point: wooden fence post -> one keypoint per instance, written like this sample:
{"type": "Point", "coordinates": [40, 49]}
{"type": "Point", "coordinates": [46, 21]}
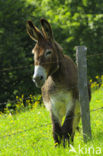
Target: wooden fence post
{"type": "Point", "coordinates": [83, 91]}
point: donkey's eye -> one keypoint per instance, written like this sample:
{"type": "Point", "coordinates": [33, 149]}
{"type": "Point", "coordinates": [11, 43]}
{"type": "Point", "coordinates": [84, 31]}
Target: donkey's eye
{"type": "Point", "coordinates": [48, 52]}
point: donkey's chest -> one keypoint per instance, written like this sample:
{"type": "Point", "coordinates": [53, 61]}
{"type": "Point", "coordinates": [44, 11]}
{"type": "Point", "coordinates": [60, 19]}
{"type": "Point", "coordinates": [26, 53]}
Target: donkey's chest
{"type": "Point", "coordinates": [61, 103]}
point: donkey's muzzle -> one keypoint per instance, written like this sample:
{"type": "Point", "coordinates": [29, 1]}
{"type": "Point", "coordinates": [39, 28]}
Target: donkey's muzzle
{"type": "Point", "coordinates": [38, 80]}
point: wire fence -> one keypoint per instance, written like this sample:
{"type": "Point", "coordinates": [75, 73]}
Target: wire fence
{"type": "Point", "coordinates": [43, 125]}
{"type": "Point", "coordinates": [15, 101]}
{"type": "Point", "coordinates": [27, 66]}
{"type": "Point", "coordinates": [23, 67]}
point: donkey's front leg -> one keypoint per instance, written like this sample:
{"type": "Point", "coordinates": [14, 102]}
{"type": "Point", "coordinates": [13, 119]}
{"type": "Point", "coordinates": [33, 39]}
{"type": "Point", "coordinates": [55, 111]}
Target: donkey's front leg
{"type": "Point", "coordinates": [67, 128]}
{"type": "Point", "coordinates": [57, 131]}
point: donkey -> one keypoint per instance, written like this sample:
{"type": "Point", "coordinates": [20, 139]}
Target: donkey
{"type": "Point", "coordinates": [56, 75]}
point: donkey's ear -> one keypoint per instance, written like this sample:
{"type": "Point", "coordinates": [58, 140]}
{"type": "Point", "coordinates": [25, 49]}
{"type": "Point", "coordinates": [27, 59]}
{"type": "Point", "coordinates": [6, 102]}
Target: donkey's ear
{"type": "Point", "coordinates": [33, 31]}
{"type": "Point", "coordinates": [46, 29]}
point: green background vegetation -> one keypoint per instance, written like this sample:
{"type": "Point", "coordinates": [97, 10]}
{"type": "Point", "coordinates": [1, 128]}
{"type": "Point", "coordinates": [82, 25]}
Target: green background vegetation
{"type": "Point", "coordinates": [73, 23]}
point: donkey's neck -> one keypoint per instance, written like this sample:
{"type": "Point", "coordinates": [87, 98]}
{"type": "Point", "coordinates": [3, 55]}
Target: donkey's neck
{"type": "Point", "coordinates": [66, 75]}
{"type": "Point", "coordinates": [59, 75]}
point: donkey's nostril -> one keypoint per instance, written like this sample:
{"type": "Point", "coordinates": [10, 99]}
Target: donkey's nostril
{"type": "Point", "coordinates": [41, 77]}
{"type": "Point", "coordinates": [38, 78]}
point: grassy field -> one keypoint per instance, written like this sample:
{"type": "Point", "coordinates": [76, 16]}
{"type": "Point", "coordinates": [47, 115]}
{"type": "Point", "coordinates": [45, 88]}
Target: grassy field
{"type": "Point", "coordinates": [29, 133]}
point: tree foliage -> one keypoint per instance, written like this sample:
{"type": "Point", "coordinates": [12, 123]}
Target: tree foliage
{"type": "Point", "coordinates": [16, 62]}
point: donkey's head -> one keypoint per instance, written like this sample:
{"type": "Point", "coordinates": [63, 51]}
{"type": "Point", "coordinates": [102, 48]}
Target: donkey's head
{"type": "Point", "coordinates": [45, 53]}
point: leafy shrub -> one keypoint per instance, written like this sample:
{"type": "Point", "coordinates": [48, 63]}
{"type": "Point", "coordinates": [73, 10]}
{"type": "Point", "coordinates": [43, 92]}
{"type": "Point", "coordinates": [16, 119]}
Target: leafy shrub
{"type": "Point", "coordinates": [23, 104]}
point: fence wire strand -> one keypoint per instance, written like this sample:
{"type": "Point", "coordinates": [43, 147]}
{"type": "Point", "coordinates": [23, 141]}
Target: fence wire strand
{"type": "Point", "coordinates": [44, 125]}
{"type": "Point", "coordinates": [27, 66]}
{"type": "Point", "coordinates": [22, 131]}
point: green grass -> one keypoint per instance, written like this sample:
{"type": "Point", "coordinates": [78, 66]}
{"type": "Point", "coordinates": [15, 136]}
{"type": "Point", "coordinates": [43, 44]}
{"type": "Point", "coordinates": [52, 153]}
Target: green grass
{"type": "Point", "coordinates": [29, 133]}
